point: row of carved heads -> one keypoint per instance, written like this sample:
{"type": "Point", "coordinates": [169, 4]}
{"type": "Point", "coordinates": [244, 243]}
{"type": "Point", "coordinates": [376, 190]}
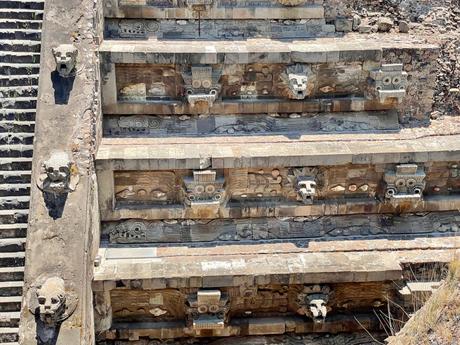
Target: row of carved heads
{"type": "Point", "coordinates": [389, 82]}
{"type": "Point", "coordinates": [404, 182]}
{"type": "Point", "coordinates": [209, 309]}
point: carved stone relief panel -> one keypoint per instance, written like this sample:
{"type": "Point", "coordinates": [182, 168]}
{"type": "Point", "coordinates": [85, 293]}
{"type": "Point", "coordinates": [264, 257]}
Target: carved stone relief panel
{"type": "Point", "coordinates": [261, 184]}
{"type": "Point", "coordinates": [237, 125]}
{"type": "Point", "coordinates": [208, 4]}
{"type": "Point", "coordinates": [143, 82]}
{"type": "Point", "coordinates": [214, 29]}
{"type": "Point", "coordinates": [200, 86]}
{"type": "Point", "coordinates": [389, 82]}
{"type": "Point", "coordinates": [147, 305]}
{"type": "Point", "coordinates": [405, 183]}
{"type": "Point", "coordinates": [205, 310]}
{"type": "Point", "coordinates": [293, 229]}
{"type": "Point", "coordinates": [157, 187]}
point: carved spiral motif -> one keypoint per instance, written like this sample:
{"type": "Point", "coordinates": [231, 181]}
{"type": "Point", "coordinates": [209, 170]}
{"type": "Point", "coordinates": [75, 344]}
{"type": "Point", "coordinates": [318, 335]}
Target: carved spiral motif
{"type": "Point", "coordinates": [291, 2]}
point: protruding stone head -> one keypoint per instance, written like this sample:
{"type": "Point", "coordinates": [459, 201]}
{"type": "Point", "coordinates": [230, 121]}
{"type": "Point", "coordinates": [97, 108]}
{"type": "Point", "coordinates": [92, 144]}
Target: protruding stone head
{"type": "Point", "coordinates": [51, 298]}
{"type": "Point", "coordinates": [66, 59]}
{"type": "Point", "coordinates": [318, 307]}
{"type": "Point", "coordinates": [296, 81]}
{"type": "Point", "coordinates": [313, 302]}
{"type": "Point", "coordinates": [306, 188]}
{"type": "Point", "coordinates": [59, 174]}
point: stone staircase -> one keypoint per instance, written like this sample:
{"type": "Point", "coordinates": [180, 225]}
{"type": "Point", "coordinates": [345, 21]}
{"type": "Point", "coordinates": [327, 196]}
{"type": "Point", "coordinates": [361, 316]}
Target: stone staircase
{"type": "Point", "coordinates": [20, 26]}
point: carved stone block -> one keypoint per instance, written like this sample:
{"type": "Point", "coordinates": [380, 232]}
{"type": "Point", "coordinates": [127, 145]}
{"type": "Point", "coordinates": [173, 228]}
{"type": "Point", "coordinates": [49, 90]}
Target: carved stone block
{"type": "Point", "coordinates": [389, 82]}
{"type": "Point", "coordinates": [201, 85]}
{"type": "Point", "coordinates": [66, 59]}
{"type": "Point", "coordinates": [205, 188]}
{"type": "Point", "coordinates": [405, 183]}
{"type": "Point", "coordinates": [207, 310]}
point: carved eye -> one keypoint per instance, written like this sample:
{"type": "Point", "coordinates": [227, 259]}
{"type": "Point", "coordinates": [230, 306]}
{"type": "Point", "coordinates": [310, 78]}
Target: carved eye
{"type": "Point", "coordinates": [217, 197]}
{"type": "Point", "coordinates": [400, 183]}
{"type": "Point", "coordinates": [54, 300]}
{"type": "Point", "coordinates": [196, 84]}
{"type": "Point", "coordinates": [68, 54]}
{"type": "Point", "coordinates": [396, 81]}
{"type": "Point", "coordinates": [210, 189]}
{"type": "Point", "coordinates": [213, 308]}
{"type": "Point", "coordinates": [41, 300]}
{"type": "Point", "coordinates": [206, 84]}
{"type": "Point", "coordinates": [203, 309]}
{"type": "Point", "coordinates": [386, 81]}
{"type": "Point", "coordinates": [411, 182]}
{"type": "Point", "coordinates": [199, 189]}
{"type": "Point", "coordinates": [58, 54]}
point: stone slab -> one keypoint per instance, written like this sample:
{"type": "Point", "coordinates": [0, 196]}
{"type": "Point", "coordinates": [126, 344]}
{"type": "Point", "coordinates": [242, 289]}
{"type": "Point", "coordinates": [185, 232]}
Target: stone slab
{"type": "Point", "coordinates": [361, 261]}
{"type": "Point", "coordinates": [123, 154]}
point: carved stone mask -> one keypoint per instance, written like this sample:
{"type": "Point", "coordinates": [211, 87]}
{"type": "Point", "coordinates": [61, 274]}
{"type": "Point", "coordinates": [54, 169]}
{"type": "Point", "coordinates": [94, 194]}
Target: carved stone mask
{"type": "Point", "coordinates": [51, 300]}
{"type": "Point", "coordinates": [298, 85]}
{"type": "Point", "coordinates": [57, 170]}
{"type": "Point", "coordinates": [66, 59]}
{"type": "Point", "coordinates": [296, 81]}
{"type": "Point", "coordinates": [318, 308]}
{"type": "Point", "coordinates": [306, 187]}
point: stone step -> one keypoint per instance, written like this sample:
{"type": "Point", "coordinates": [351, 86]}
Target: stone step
{"type": "Point", "coordinates": [19, 57]}
{"type": "Point", "coordinates": [16, 150]}
{"type": "Point", "coordinates": [19, 103]}
{"type": "Point", "coordinates": [14, 202]}
{"type": "Point", "coordinates": [9, 319]}
{"type": "Point", "coordinates": [19, 69]}
{"type": "Point", "coordinates": [16, 138]}
{"type": "Point", "coordinates": [20, 34]}
{"type": "Point", "coordinates": [9, 334]}
{"type": "Point", "coordinates": [20, 24]}
{"type": "Point", "coordinates": [13, 216]}
{"type": "Point", "coordinates": [24, 4]}
{"type": "Point", "coordinates": [16, 163]}
{"type": "Point", "coordinates": [13, 230]}
{"type": "Point", "coordinates": [12, 273]}
{"type": "Point", "coordinates": [19, 80]}
{"type": "Point", "coordinates": [13, 288]}
{"type": "Point", "coordinates": [10, 245]}
{"type": "Point", "coordinates": [20, 13]}
{"type": "Point", "coordinates": [16, 189]}
{"type": "Point", "coordinates": [14, 259]}
{"type": "Point", "coordinates": [19, 91]}
{"type": "Point", "coordinates": [17, 115]}
{"type": "Point", "coordinates": [20, 46]}
{"type": "Point", "coordinates": [17, 126]}
{"type": "Point", "coordinates": [16, 176]}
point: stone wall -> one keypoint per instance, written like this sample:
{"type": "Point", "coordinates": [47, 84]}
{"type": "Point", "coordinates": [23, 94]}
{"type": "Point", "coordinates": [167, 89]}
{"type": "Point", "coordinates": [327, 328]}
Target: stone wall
{"type": "Point", "coordinates": [63, 231]}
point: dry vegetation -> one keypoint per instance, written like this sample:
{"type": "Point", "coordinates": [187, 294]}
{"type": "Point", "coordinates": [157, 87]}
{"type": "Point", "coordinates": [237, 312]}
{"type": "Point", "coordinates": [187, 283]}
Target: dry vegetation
{"type": "Point", "coordinates": [438, 322]}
